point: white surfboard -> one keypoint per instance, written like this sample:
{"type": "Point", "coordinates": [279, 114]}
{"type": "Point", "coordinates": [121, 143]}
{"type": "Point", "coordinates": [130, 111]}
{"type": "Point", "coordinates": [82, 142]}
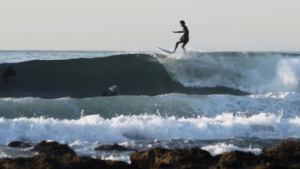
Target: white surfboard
{"type": "Point", "coordinates": [166, 51]}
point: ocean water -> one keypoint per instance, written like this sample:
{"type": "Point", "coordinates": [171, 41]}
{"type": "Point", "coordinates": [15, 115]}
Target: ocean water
{"type": "Point", "coordinates": [219, 101]}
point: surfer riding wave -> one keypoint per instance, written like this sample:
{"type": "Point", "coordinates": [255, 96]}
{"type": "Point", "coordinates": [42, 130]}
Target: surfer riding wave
{"type": "Point", "coordinates": [184, 38]}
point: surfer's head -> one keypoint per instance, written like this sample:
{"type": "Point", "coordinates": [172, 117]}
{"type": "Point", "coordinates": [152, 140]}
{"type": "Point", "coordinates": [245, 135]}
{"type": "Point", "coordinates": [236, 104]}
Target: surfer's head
{"type": "Point", "coordinates": [182, 23]}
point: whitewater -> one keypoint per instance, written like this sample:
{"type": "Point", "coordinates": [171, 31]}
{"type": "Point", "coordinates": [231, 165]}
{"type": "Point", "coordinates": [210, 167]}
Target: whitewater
{"type": "Point", "coordinates": [219, 101]}
{"type": "Point", "coordinates": [254, 72]}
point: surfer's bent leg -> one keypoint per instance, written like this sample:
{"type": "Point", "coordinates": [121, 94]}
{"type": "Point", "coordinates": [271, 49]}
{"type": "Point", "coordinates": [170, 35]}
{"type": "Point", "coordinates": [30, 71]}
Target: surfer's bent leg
{"type": "Point", "coordinates": [177, 43]}
{"type": "Point", "coordinates": [183, 45]}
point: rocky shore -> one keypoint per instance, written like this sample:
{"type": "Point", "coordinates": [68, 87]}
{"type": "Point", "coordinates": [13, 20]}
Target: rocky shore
{"type": "Point", "coordinates": [52, 155]}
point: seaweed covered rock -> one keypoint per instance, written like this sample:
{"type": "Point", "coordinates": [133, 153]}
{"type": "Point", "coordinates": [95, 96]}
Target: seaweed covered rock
{"type": "Point", "coordinates": [114, 147]}
{"type": "Point", "coordinates": [285, 155]}
{"type": "Point", "coordinates": [18, 144]}
{"type": "Point", "coordinates": [53, 148]}
{"type": "Point", "coordinates": [61, 162]}
{"type": "Point", "coordinates": [287, 151]}
{"type": "Point", "coordinates": [178, 158]}
{"type": "Point", "coordinates": [237, 159]}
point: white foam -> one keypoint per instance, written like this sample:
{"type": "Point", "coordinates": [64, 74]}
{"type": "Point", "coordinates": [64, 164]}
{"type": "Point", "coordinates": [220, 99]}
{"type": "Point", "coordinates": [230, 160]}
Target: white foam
{"type": "Point", "coordinates": [262, 73]}
{"type": "Point", "coordinates": [117, 158]}
{"type": "Point", "coordinates": [179, 105]}
{"type": "Point", "coordinates": [4, 155]}
{"type": "Point", "coordinates": [222, 148]}
{"type": "Point", "coordinates": [149, 127]}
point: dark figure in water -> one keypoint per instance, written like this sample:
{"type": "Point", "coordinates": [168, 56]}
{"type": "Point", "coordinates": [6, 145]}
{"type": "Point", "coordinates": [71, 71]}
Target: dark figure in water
{"type": "Point", "coordinates": [111, 91]}
{"type": "Point", "coordinates": [10, 71]}
{"type": "Point", "coordinates": [185, 38]}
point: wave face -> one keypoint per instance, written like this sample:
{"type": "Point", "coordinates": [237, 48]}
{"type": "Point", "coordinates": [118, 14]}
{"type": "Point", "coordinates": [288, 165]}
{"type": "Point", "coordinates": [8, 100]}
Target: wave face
{"type": "Point", "coordinates": [136, 74]}
{"type": "Point", "coordinates": [143, 74]}
{"type": "Point", "coordinates": [154, 74]}
{"type": "Point", "coordinates": [254, 72]}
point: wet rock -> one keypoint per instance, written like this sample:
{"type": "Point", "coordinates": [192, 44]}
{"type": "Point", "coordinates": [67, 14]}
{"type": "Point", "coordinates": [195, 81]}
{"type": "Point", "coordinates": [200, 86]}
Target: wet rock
{"type": "Point", "coordinates": [120, 165]}
{"type": "Point", "coordinates": [164, 158]}
{"type": "Point", "coordinates": [285, 155]}
{"type": "Point", "coordinates": [286, 151]}
{"type": "Point", "coordinates": [53, 148]}
{"type": "Point", "coordinates": [236, 159]}
{"type": "Point", "coordinates": [114, 147]}
{"type": "Point", "coordinates": [60, 162]}
{"type": "Point", "coordinates": [18, 144]}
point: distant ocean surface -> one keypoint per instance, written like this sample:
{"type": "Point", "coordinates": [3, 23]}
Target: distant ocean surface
{"type": "Point", "coordinates": [220, 101]}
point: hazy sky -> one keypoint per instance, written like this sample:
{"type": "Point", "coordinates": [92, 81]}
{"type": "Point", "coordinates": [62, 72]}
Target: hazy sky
{"type": "Point", "coordinates": [141, 25]}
